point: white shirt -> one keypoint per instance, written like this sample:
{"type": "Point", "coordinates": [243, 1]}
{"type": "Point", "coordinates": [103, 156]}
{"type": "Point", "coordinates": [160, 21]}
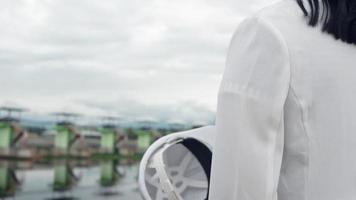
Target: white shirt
{"type": "Point", "coordinates": [286, 117]}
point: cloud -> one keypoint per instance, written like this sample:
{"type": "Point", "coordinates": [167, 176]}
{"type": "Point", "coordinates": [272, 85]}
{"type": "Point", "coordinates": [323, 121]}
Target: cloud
{"type": "Point", "coordinates": [157, 53]}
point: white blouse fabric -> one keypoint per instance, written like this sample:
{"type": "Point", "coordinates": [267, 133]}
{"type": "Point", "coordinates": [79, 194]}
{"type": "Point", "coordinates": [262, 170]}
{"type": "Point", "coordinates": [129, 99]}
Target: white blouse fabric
{"type": "Point", "coordinates": [286, 117]}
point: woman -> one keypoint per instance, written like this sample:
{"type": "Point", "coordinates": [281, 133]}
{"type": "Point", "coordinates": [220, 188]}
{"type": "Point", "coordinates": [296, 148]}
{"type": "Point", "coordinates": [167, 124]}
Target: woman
{"type": "Point", "coordinates": [286, 118]}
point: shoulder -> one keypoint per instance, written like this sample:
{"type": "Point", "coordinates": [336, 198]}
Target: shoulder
{"type": "Point", "coordinates": [271, 25]}
{"type": "Point", "coordinates": [282, 9]}
{"type": "Point", "coordinates": [275, 17]}
{"type": "Point", "coordinates": [258, 32]}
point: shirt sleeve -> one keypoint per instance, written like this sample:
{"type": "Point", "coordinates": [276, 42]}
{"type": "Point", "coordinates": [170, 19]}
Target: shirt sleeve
{"type": "Point", "coordinates": [250, 128]}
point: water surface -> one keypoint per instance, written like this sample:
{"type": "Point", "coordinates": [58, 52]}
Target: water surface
{"type": "Point", "coordinates": [67, 180]}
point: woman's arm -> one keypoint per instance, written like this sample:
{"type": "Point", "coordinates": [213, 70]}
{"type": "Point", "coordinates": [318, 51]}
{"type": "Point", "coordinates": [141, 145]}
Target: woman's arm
{"type": "Point", "coordinates": [249, 142]}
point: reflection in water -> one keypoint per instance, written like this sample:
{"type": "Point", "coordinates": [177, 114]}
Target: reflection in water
{"type": "Point", "coordinates": [66, 179]}
{"type": "Point", "coordinates": [9, 181]}
{"type": "Point", "coordinates": [109, 177]}
{"type": "Point", "coordinates": [109, 173]}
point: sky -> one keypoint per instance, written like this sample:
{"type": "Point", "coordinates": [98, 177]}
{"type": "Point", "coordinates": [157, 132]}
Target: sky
{"type": "Point", "coordinates": [137, 59]}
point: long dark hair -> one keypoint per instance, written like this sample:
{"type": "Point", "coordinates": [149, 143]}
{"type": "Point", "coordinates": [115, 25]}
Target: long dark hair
{"type": "Point", "coordinates": [338, 17]}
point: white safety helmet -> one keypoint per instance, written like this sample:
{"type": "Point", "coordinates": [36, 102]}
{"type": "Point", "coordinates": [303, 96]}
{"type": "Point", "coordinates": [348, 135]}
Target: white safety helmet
{"type": "Point", "coordinates": [177, 166]}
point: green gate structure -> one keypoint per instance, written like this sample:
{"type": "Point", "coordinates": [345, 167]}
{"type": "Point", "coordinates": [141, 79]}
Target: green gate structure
{"type": "Point", "coordinates": [7, 135]}
{"type": "Point", "coordinates": [109, 135]}
{"type": "Point", "coordinates": [66, 133]}
{"type": "Point", "coordinates": [10, 131]}
{"type": "Point", "coordinates": [9, 182]}
{"type": "Point", "coordinates": [65, 137]}
{"type": "Point", "coordinates": [144, 139]}
{"type": "Point", "coordinates": [145, 133]}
